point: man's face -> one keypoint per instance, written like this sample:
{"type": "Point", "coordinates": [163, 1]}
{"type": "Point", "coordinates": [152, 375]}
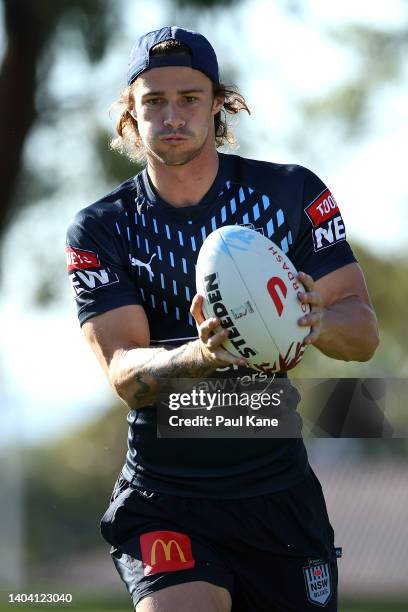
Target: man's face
{"type": "Point", "coordinates": [174, 109]}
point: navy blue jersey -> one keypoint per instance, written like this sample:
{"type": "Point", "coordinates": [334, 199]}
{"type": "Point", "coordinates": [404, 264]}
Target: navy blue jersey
{"type": "Point", "coordinates": [131, 247]}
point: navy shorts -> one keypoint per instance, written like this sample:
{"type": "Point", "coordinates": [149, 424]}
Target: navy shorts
{"type": "Point", "coordinates": [274, 553]}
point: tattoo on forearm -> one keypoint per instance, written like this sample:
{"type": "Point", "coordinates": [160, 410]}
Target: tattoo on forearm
{"type": "Point", "coordinates": [142, 391]}
{"type": "Point", "coordinates": [183, 362]}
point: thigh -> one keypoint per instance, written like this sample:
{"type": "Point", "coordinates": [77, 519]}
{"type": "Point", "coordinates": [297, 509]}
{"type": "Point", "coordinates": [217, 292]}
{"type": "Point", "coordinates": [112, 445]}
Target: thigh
{"type": "Point", "coordinates": [196, 596]}
{"type": "Point", "coordinates": [287, 561]}
{"type": "Point", "coordinates": [157, 546]}
{"type": "Point", "coordinates": [153, 563]}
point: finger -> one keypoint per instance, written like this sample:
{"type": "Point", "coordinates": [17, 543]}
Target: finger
{"type": "Point", "coordinates": [231, 359]}
{"type": "Point", "coordinates": [228, 358]}
{"type": "Point", "coordinates": [313, 336]}
{"type": "Point", "coordinates": [310, 297]}
{"type": "Point", "coordinates": [214, 344]}
{"type": "Point", "coordinates": [311, 319]}
{"type": "Point", "coordinates": [215, 341]}
{"type": "Point", "coordinates": [306, 280]}
{"type": "Point", "coordinates": [207, 328]}
{"type": "Point", "coordinates": [196, 309]}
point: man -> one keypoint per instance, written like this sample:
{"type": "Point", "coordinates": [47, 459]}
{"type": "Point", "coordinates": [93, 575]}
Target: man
{"type": "Point", "coordinates": [207, 525]}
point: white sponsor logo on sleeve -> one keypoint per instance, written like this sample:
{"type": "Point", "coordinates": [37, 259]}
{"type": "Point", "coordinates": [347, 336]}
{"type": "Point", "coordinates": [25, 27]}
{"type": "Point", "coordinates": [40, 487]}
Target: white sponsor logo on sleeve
{"type": "Point", "coordinates": [328, 233]}
{"type": "Point", "coordinates": [91, 280]}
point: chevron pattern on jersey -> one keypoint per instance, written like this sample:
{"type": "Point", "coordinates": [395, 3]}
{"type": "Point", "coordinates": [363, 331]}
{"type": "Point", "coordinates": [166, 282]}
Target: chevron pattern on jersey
{"type": "Point", "coordinates": [166, 251]}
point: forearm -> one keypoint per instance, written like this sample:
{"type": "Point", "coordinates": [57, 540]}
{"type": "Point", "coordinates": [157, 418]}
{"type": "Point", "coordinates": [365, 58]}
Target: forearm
{"type": "Point", "coordinates": [138, 374]}
{"type": "Point", "coordinates": [349, 331]}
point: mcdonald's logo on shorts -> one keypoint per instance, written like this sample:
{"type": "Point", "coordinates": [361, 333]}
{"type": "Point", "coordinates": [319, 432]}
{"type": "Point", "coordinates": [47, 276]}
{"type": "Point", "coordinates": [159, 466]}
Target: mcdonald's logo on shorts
{"type": "Point", "coordinates": [165, 551]}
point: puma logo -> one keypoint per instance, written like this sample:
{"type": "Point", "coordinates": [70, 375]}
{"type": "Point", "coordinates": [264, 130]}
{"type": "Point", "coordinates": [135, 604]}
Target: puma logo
{"type": "Point", "coordinates": [142, 264]}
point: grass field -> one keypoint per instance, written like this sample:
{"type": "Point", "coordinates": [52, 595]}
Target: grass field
{"type": "Point", "coordinates": [123, 605]}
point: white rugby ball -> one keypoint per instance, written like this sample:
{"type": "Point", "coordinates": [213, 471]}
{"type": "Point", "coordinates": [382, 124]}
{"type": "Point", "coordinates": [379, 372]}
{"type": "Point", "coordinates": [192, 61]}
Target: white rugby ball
{"type": "Point", "coordinates": [251, 286]}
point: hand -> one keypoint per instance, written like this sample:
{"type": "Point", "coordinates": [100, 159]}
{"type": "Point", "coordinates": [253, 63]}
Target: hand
{"type": "Point", "coordinates": [211, 340]}
{"type": "Point", "coordinates": [314, 318]}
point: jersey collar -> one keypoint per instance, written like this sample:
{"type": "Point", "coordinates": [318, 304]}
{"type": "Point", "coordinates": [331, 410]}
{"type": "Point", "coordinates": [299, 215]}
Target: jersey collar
{"type": "Point", "coordinates": [153, 199]}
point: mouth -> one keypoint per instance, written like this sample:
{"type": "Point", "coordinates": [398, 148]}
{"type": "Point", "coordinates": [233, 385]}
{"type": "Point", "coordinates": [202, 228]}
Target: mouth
{"type": "Point", "coordinates": [173, 139]}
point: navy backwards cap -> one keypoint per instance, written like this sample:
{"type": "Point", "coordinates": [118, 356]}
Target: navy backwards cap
{"type": "Point", "coordinates": [202, 56]}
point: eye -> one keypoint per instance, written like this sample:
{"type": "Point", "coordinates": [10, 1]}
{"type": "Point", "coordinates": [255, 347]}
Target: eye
{"type": "Point", "coordinates": [153, 101]}
{"type": "Point", "coordinates": [191, 99]}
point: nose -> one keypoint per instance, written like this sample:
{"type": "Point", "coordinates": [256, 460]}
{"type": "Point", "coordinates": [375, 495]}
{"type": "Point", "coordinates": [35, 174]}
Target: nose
{"type": "Point", "coordinates": [173, 118]}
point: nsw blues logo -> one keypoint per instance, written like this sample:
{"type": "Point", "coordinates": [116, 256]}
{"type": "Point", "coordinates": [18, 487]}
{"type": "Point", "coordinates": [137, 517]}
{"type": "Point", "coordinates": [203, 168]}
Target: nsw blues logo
{"type": "Point", "coordinates": [318, 583]}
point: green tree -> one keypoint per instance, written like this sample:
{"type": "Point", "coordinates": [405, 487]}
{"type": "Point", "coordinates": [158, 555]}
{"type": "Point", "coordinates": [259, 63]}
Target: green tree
{"type": "Point", "coordinates": [380, 56]}
{"type": "Point", "coordinates": [30, 27]}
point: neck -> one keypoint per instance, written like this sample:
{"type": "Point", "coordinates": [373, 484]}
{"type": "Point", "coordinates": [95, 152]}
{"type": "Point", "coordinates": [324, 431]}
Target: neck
{"type": "Point", "coordinates": [184, 185]}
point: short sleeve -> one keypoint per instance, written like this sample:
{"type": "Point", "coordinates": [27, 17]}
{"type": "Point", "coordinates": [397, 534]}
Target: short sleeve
{"type": "Point", "coordinates": [97, 266]}
{"type": "Point", "coordinates": [320, 246]}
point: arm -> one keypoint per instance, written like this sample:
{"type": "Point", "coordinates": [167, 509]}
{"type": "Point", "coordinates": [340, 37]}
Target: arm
{"type": "Point", "coordinates": [120, 339]}
{"type": "Point", "coordinates": [344, 325]}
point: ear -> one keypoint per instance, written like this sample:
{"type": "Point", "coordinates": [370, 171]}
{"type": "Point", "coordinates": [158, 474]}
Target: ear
{"type": "Point", "coordinates": [218, 104]}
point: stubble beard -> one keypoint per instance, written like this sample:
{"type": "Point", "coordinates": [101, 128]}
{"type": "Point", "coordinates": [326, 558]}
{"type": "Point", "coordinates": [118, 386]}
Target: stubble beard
{"type": "Point", "coordinates": [173, 156]}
